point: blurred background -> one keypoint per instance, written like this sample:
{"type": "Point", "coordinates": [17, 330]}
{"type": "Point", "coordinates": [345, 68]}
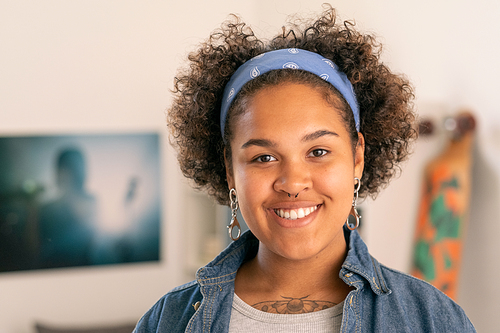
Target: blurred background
{"type": "Point", "coordinates": [78, 200]}
{"type": "Point", "coordinates": [93, 67]}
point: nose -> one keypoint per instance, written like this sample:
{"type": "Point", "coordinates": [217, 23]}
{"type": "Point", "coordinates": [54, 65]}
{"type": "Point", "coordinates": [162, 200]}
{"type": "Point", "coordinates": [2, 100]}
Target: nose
{"type": "Point", "coordinates": [293, 178]}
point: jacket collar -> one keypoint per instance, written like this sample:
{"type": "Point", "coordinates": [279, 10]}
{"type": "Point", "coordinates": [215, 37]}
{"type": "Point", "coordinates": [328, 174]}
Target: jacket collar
{"type": "Point", "coordinates": [358, 263]}
{"type": "Point", "coordinates": [223, 268]}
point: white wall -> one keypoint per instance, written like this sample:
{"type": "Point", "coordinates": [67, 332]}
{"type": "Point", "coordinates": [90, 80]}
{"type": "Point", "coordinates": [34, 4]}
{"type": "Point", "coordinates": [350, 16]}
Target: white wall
{"type": "Point", "coordinates": [96, 66]}
{"type": "Point", "coordinates": [93, 66]}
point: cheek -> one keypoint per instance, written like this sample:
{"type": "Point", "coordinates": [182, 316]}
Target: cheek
{"type": "Point", "coordinates": [336, 182]}
{"type": "Point", "coordinates": [253, 190]}
{"type": "Point", "coordinates": [250, 185]}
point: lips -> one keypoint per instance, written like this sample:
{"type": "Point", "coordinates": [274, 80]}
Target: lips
{"type": "Point", "coordinates": [294, 214]}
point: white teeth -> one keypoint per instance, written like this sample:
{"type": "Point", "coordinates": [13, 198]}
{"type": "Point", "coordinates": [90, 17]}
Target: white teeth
{"type": "Point", "coordinates": [294, 214]}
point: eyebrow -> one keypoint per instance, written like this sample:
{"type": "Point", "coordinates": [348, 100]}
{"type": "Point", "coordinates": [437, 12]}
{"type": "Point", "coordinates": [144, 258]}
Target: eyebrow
{"type": "Point", "coordinates": [317, 135]}
{"type": "Point", "coordinates": [259, 143]}
{"type": "Point", "coordinates": [268, 143]}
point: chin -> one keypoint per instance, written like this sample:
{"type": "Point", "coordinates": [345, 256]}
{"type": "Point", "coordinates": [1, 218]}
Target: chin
{"type": "Point", "coordinates": [298, 250]}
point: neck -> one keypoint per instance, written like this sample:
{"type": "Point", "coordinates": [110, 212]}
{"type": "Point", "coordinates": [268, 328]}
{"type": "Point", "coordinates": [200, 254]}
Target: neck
{"type": "Point", "coordinates": [270, 276]}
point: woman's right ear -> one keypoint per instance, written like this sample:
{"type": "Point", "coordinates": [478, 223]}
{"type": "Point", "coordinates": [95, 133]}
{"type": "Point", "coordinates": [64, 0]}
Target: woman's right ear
{"type": "Point", "coordinates": [229, 169]}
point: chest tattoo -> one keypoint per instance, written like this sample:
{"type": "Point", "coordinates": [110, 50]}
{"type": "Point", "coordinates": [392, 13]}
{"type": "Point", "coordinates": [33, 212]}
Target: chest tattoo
{"type": "Point", "coordinates": [292, 305]}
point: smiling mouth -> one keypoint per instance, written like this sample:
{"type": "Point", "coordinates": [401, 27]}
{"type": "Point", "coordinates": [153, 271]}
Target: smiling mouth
{"type": "Point", "coordinates": [294, 214]}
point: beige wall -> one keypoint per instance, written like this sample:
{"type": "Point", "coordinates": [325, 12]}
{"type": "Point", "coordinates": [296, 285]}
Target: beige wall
{"type": "Point", "coordinates": [449, 50]}
{"type": "Point", "coordinates": [94, 66]}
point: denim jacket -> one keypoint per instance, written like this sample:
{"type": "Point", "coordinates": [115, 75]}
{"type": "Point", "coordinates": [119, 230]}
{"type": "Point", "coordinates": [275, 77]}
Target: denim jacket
{"type": "Point", "coordinates": [384, 300]}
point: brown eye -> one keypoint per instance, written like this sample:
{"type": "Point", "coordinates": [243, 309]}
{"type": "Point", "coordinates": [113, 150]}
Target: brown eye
{"type": "Point", "coordinates": [265, 158]}
{"type": "Point", "coordinates": [318, 152]}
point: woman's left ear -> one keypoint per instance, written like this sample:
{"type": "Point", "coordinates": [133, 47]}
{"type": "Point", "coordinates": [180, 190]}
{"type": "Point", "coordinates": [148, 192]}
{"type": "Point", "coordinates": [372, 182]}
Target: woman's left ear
{"type": "Point", "coordinates": [359, 156]}
{"type": "Point", "coordinates": [229, 170]}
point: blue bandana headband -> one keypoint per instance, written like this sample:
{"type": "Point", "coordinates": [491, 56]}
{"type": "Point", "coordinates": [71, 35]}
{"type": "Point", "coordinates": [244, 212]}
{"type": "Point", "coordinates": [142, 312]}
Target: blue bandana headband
{"type": "Point", "coordinates": [293, 59]}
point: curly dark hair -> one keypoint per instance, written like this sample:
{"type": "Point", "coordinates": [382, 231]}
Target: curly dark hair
{"type": "Point", "coordinates": [384, 98]}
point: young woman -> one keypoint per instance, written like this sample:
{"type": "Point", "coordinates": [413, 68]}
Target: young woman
{"type": "Point", "coordinates": [292, 131]}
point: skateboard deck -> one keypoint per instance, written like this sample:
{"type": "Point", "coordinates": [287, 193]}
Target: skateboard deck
{"type": "Point", "coordinates": [444, 207]}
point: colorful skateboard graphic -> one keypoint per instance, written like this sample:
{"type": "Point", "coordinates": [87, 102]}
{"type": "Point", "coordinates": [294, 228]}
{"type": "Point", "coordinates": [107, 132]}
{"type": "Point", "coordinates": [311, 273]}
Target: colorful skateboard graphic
{"type": "Point", "coordinates": [444, 207]}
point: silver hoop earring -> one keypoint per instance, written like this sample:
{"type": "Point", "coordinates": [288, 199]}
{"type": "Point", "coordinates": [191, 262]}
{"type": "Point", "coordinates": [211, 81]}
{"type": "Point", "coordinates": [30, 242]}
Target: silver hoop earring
{"type": "Point", "coordinates": [233, 198]}
{"type": "Point", "coordinates": [354, 212]}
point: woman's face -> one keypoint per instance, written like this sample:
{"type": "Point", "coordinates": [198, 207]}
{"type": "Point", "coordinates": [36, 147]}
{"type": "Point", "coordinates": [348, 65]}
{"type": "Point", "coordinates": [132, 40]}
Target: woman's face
{"type": "Point", "coordinates": [290, 140]}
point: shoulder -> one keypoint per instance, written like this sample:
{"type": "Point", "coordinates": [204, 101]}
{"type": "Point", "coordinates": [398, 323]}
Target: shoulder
{"type": "Point", "coordinates": [436, 309]}
{"type": "Point", "coordinates": [411, 287]}
{"type": "Point", "coordinates": [172, 311]}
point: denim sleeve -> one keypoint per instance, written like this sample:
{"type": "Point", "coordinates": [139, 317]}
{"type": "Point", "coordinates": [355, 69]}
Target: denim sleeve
{"type": "Point", "coordinates": [416, 305]}
{"type": "Point", "coordinates": [172, 312]}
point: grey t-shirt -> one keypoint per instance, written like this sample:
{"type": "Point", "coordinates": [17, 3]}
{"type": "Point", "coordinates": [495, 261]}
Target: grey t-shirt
{"type": "Point", "coordinates": [247, 319]}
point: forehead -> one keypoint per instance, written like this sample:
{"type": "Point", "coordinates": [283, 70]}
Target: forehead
{"type": "Point", "coordinates": [288, 109]}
